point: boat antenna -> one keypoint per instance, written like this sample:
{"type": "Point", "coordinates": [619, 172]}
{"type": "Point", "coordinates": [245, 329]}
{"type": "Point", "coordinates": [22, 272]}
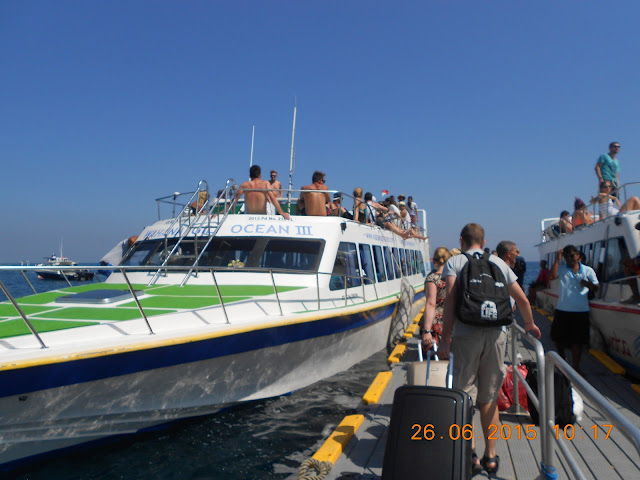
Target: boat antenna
{"type": "Point", "coordinates": [291, 167]}
{"type": "Point", "coordinates": [253, 132]}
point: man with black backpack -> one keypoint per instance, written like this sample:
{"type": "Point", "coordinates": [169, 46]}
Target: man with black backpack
{"type": "Point", "coordinates": [476, 313]}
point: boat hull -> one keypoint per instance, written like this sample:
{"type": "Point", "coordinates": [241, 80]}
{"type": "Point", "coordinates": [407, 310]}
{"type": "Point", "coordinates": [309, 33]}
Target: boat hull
{"type": "Point", "coordinates": [75, 403]}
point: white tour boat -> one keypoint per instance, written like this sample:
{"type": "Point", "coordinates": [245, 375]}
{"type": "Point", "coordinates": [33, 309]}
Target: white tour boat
{"type": "Point", "coordinates": [607, 244]}
{"type": "Point", "coordinates": [62, 261]}
{"type": "Point", "coordinates": [203, 312]}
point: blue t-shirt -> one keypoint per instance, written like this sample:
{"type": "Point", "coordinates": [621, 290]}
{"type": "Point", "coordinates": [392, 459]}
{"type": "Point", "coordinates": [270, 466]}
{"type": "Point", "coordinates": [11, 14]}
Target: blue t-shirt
{"type": "Point", "coordinates": [573, 296]}
{"type": "Point", "coordinates": [609, 167]}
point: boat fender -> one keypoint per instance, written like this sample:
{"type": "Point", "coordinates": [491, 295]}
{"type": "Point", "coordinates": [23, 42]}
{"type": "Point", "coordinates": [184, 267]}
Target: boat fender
{"type": "Point", "coordinates": [313, 469]}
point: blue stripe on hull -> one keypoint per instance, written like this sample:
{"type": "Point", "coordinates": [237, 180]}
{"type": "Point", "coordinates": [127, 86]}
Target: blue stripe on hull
{"type": "Point", "coordinates": [41, 377]}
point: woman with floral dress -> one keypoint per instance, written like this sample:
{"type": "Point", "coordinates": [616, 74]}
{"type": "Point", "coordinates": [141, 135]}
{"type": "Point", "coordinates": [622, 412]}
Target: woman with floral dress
{"type": "Point", "coordinates": [435, 291]}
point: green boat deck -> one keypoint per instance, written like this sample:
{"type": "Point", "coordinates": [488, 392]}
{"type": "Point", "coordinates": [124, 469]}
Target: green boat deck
{"type": "Point", "coordinates": [46, 315]}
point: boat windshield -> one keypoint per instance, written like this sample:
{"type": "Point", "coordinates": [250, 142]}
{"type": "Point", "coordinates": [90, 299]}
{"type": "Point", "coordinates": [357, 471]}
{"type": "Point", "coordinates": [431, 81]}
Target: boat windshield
{"type": "Point", "coordinates": [237, 252]}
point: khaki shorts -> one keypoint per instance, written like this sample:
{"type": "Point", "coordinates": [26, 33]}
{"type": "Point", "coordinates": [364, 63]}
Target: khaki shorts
{"type": "Point", "coordinates": [478, 363]}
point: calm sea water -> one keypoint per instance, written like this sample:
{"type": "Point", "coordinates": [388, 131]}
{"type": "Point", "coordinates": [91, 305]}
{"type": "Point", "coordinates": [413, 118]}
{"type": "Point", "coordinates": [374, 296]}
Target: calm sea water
{"type": "Point", "coordinates": [266, 439]}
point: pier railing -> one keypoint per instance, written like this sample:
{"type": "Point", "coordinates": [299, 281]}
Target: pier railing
{"type": "Point", "coordinates": [350, 294]}
{"type": "Point", "coordinates": [544, 401]}
{"type": "Point", "coordinates": [547, 422]}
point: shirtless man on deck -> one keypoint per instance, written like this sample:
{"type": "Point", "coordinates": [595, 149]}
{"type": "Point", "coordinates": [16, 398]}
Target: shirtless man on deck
{"type": "Point", "coordinates": [256, 202]}
{"type": "Point", "coordinates": [315, 203]}
{"type": "Point", "coordinates": [275, 184]}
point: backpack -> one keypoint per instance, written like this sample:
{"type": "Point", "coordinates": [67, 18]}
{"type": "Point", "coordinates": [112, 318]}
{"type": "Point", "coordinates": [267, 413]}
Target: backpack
{"type": "Point", "coordinates": [483, 294]}
{"type": "Point", "coordinates": [563, 396]}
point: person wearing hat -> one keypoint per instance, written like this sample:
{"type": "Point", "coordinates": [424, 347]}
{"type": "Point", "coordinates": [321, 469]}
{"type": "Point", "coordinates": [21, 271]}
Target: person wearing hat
{"type": "Point", "coordinates": [405, 218]}
{"type": "Point", "coordinates": [338, 210]}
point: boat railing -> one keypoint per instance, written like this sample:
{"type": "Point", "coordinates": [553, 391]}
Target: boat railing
{"type": "Point", "coordinates": [202, 211]}
{"type": "Point", "coordinates": [627, 280]}
{"type": "Point", "coordinates": [550, 228]}
{"type": "Point", "coordinates": [362, 281]}
{"type": "Point", "coordinates": [598, 401]}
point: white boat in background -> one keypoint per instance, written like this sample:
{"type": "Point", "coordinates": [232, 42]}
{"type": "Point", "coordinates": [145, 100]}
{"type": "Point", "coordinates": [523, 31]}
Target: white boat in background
{"type": "Point", "coordinates": [204, 311]}
{"type": "Point", "coordinates": [62, 261]}
{"type": "Point", "coordinates": [607, 244]}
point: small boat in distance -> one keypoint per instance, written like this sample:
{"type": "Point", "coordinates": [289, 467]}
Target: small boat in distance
{"type": "Point", "coordinates": [62, 261]}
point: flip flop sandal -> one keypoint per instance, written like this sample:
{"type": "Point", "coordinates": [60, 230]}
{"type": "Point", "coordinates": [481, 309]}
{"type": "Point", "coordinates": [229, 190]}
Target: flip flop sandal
{"type": "Point", "coordinates": [476, 468]}
{"type": "Point", "coordinates": [491, 471]}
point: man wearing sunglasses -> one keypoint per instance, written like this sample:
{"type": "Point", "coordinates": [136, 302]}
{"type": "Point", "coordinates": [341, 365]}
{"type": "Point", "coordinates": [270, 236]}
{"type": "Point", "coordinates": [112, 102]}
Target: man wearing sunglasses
{"type": "Point", "coordinates": [608, 168]}
{"type": "Point", "coordinates": [570, 326]}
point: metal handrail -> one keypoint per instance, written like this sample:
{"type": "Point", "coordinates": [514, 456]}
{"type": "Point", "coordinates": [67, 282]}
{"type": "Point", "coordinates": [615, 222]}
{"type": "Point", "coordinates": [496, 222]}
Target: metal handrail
{"type": "Point", "coordinates": [538, 401]}
{"type": "Point", "coordinates": [178, 219]}
{"type": "Point", "coordinates": [128, 268]}
{"type": "Point", "coordinates": [628, 429]}
{"type": "Point", "coordinates": [231, 185]}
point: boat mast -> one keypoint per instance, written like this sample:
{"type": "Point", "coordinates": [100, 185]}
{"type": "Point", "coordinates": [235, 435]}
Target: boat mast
{"type": "Point", "coordinates": [253, 132]}
{"type": "Point", "coordinates": [293, 136]}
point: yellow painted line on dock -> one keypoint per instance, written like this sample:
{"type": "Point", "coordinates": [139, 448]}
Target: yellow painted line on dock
{"type": "Point", "coordinates": [332, 448]}
{"type": "Point", "coordinates": [376, 389]}
{"type": "Point", "coordinates": [417, 318]}
{"type": "Point", "coordinates": [636, 387]}
{"type": "Point", "coordinates": [397, 353]}
{"type": "Point", "coordinates": [410, 332]}
{"type": "Point", "coordinates": [422, 311]}
{"type": "Point", "coordinates": [608, 362]}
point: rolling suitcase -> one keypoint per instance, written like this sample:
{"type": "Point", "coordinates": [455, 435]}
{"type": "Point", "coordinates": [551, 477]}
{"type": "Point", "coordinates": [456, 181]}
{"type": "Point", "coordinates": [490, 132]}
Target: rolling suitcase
{"type": "Point", "coordinates": [429, 433]}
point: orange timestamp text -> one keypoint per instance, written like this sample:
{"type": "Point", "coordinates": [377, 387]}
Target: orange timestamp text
{"type": "Point", "coordinates": [504, 432]}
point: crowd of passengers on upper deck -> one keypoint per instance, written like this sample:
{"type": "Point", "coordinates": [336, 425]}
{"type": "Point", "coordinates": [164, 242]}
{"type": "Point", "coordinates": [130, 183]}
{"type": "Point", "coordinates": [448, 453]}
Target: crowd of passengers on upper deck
{"type": "Point", "coordinates": [260, 198]}
{"type": "Point", "coordinates": [607, 170]}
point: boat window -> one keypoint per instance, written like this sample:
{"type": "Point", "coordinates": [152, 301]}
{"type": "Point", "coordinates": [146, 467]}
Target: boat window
{"type": "Point", "coordinates": [403, 262]}
{"type": "Point", "coordinates": [422, 265]}
{"type": "Point", "coordinates": [616, 254]}
{"type": "Point", "coordinates": [367, 263]}
{"type": "Point", "coordinates": [388, 260]}
{"type": "Point", "coordinates": [379, 261]}
{"type": "Point", "coordinates": [140, 253]}
{"type": "Point", "coordinates": [346, 264]}
{"type": "Point", "coordinates": [587, 253]}
{"type": "Point", "coordinates": [414, 262]}
{"type": "Point", "coordinates": [229, 252]}
{"type": "Point", "coordinates": [237, 252]}
{"type": "Point", "coordinates": [598, 259]}
{"type": "Point", "coordinates": [290, 254]}
{"type": "Point", "coordinates": [396, 262]}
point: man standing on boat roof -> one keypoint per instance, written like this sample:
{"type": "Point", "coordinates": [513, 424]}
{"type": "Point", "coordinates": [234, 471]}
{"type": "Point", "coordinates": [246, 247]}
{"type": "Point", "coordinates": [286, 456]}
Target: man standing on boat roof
{"type": "Point", "coordinates": [570, 327]}
{"type": "Point", "coordinates": [257, 193]}
{"type": "Point", "coordinates": [608, 168]}
{"type": "Point", "coordinates": [315, 203]}
{"type": "Point", "coordinates": [479, 350]}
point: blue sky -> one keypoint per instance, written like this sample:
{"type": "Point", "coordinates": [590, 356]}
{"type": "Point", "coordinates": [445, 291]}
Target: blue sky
{"type": "Point", "coordinates": [493, 112]}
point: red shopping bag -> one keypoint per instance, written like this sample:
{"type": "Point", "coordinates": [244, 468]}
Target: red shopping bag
{"type": "Point", "coordinates": [505, 397]}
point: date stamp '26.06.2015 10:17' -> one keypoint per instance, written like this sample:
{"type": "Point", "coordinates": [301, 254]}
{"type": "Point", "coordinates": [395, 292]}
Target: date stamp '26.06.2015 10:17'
{"type": "Point", "coordinates": [506, 432]}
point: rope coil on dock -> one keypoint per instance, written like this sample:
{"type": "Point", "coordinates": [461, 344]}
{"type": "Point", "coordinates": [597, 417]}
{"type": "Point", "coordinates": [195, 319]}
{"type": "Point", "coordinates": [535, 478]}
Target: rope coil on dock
{"type": "Point", "coordinates": [312, 469]}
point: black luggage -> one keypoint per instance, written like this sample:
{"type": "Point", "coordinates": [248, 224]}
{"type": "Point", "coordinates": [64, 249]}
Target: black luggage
{"type": "Point", "coordinates": [563, 397]}
{"type": "Point", "coordinates": [429, 434]}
